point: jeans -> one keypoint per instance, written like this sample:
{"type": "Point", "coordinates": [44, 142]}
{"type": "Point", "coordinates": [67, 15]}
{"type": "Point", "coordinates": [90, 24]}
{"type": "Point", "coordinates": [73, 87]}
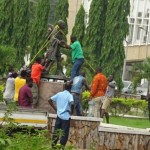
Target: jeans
{"type": "Point", "coordinates": [77, 104]}
{"type": "Point", "coordinates": [64, 125]}
{"type": "Point", "coordinates": [76, 67]}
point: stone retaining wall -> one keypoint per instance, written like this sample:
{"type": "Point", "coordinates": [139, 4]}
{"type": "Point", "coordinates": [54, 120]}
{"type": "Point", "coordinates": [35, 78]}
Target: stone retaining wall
{"type": "Point", "coordinates": [122, 141]}
{"type": "Point", "coordinates": [85, 133]}
{"type": "Point", "coordinates": [123, 138]}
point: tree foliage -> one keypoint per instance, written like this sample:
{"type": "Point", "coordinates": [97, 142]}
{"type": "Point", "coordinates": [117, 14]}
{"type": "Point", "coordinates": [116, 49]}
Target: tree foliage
{"type": "Point", "coordinates": [39, 26]}
{"type": "Point", "coordinates": [79, 26]}
{"type": "Point", "coordinates": [96, 27]}
{"type": "Point", "coordinates": [124, 105]}
{"type": "Point", "coordinates": [116, 30]}
{"type": "Point", "coordinates": [7, 55]}
{"type": "Point", "coordinates": [6, 21]}
{"type": "Point", "coordinates": [61, 12]}
{"type": "Point", "coordinates": [21, 23]}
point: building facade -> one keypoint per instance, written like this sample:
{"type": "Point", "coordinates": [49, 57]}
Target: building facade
{"type": "Point", "coordinates": [137, 44]}
{"type": "Point", "coordinates": [74, 6]}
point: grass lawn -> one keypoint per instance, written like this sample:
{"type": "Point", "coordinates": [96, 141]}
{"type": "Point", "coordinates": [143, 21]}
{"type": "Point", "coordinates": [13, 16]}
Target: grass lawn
{"type": "Point", "coordinates": [130, 122]}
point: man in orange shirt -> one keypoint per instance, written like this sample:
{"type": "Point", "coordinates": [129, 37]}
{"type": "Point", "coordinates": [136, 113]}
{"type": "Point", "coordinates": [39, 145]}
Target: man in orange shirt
{"type": "Point", "coordinates": [36, 72]}
{"type": "Point", "coordinates": [98, 90]}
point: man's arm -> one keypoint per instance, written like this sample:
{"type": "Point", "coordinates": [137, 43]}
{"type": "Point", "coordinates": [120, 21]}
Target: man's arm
{"type": "Point", "coordinates": [30, 96]}
{"type": "Point", "coordinates": [43, 61]}
{"type": "Point", "coordinates": [70, 82]}
{"type": "Point", "coordinates": [84, 82]}
{"type": "Point", "coordinates": [65, 45]}
{"type": "Point", "coordinates": [68, 46]}
{"type": "Point", "coordinates": [112, 84]}
{"type": "Point", "coordinates": [52, 104]}
{"type": "Point", "coordinates": [30, 100]}
{"type": "Point", "coordinates": [72, 108]}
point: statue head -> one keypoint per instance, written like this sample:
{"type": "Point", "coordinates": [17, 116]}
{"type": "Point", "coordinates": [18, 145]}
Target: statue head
{"type": "Point", "coordinates": [61, 24]}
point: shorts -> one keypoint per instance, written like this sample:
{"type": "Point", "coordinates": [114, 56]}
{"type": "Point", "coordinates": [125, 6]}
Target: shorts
{"type": "Point", "coordinates": [106, 103]}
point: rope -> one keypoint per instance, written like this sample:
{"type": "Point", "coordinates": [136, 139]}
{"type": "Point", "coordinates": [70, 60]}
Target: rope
{"type": "Point", "coordinates": [46, 42]}
{"type": "Point", "coordinates": [89, 65]}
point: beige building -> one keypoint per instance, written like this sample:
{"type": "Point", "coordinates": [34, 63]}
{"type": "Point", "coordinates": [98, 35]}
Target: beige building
{"type": "Point", "coordinates": [74, 6]}
{"type": "Point", "coordinates": [134, 54]}
{"type": "Point", "coordinates": [137, 49]}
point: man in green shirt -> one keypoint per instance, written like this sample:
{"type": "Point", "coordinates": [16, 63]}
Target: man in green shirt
{"type": "Point", "coordinates": [77, 56]}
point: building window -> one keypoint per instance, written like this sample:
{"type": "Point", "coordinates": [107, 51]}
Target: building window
{"type": "Point", "coordinates": [139, 14]}
{"type": "Point", "coordinates": [139, 21]}
{"type": "Point", "coordinates": [132, 20]}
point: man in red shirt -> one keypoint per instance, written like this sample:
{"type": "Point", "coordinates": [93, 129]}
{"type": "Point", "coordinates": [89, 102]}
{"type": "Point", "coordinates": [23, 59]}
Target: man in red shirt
{"type": "Point", "coordinates": [98, 90]}
{"type": "Point", "coordinates": [36, 72]}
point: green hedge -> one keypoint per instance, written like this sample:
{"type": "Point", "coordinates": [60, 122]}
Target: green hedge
{"type": "Point", "coordinates": [121, 105]}
{"type": "Point", "coordinates": [124, 106]}
{"type": "Point", "coordinates": [1, 92]}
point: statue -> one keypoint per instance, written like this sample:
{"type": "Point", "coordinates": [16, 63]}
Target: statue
{"type": "Point", "coordinates": [55, 35]}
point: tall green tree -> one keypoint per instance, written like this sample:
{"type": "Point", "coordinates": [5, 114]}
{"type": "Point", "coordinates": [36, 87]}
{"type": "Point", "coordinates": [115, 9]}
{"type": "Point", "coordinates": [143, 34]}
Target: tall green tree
{"type": "Point", "coordinates": [7, 55]}
{"type": "Point", "coordinates": [39, 26]}
{"type": "Point", "coordinates": [6, 21]}
{"type": "Point", "coordinates": [21, 23]}
{"type": "Point", "coordinates": [79, 26]}
{"type": "Point", "coordinates": [116, 30]}
{"type": "Point", "coordinates": [96, 27]}
{"type": "Point", "coordinates": [61, 12]}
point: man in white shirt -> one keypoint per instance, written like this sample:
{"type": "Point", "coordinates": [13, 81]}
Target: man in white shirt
{"type": "Point", "coordinates": [9, 91]}
{"type": "Point", "coordinates": [108, 97]}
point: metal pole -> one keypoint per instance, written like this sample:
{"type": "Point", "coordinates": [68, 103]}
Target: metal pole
{"type": "Point", "coordinates": [124, 65]}
{"type": "Point", "coordinates": [147, 38]}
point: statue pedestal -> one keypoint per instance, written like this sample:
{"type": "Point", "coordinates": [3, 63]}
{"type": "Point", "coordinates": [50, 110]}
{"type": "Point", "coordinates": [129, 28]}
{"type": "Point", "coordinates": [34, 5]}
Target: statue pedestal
{"type": "Point", "coordinates": [49, 86]}
{"type": "Point", "coordinates": [54, 78]}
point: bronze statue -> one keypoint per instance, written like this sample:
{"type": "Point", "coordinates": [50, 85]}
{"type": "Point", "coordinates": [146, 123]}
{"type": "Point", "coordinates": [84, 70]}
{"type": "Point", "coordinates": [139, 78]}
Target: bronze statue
{"type": "Point", "coordinates": [55, 35]}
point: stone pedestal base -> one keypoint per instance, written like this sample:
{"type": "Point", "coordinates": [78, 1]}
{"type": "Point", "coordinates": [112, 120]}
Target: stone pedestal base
{"type": "Point", "coordinates": [46, 90]}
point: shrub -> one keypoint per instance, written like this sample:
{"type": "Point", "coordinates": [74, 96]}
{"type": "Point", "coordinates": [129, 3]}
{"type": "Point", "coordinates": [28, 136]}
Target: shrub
{"type": "Point", "coordinates": [85, 97]}
{"type": "Point", "coordinates": [7, 55]}
{"type": "Point", "coordinates": [123, 106]}
{"type": "Point", "coordinates": [1, 92]}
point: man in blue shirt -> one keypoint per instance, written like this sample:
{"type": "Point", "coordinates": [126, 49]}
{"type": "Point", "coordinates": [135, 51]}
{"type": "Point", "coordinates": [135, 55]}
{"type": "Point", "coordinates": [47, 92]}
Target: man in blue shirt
{"type": "Point", "coordinates": [63, 101]}
{"type": "Point", "coordinates": [77, 83]}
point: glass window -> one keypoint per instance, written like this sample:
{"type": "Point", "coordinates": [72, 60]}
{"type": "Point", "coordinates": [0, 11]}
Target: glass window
{"type": "Point", "coordinates": [139, 14]}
